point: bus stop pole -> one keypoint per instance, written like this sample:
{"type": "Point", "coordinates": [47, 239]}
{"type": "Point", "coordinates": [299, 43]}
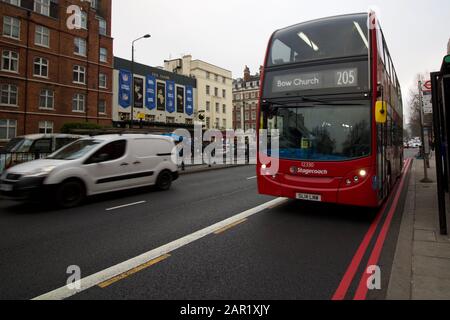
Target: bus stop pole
{"type": "Point", "coordinates": [424, 155]}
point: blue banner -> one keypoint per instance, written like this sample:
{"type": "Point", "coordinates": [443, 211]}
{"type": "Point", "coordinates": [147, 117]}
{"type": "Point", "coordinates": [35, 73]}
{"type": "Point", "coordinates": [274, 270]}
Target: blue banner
{"type": "Point", "coordinates": [124, 88]}
{"type": "Point", "coordinates": [189, 101]}
{"type": "Point", "coordinates": [150, 93]}
{"type": "Point", "coordinates": [170, 96]}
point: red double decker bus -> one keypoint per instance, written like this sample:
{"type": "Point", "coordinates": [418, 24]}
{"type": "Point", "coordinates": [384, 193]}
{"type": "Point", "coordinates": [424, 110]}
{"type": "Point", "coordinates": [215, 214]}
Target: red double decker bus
{"type": "Point", "coordinates": [331, 93]}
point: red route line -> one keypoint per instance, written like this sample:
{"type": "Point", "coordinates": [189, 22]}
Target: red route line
{"type": "Point", "coordinates": [349, 275]}
{"type": "Point", "coordinates": [361, 293]}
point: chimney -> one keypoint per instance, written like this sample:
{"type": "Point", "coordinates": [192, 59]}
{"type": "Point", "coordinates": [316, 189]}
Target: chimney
{"type": "Point", "coordinates": [246, 74]}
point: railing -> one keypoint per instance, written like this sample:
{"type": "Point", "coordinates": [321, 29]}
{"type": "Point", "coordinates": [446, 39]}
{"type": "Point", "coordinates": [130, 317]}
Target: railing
{"type": "Point", "coordinates": [10, 159]}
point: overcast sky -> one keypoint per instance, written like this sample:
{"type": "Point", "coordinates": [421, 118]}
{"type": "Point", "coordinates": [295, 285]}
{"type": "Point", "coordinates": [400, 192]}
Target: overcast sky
{"type": "Point", "coordinates": [234, 33]}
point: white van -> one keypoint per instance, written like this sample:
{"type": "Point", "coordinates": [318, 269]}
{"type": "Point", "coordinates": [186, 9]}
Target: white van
{"type": "Point", "coordinates": [93, 166]}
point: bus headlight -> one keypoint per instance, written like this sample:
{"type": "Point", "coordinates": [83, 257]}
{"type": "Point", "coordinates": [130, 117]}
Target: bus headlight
{"type": "Point", "coordinates": [363, 173]}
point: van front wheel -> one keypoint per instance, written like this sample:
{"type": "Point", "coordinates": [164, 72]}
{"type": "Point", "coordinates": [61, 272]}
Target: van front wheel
{"type": "Point", "coordinates": [70, 194]}
{"type": "Point", "coordinates": [164, 180]}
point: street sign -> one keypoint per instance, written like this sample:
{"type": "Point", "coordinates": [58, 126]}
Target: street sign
{"type": "Point", "coordinates": [427, 102]}
{"type": "Point", "coordinates": [427, 86]}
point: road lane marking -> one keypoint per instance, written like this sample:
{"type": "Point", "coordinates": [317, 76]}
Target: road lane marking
{"type": "Point", "coordinates": [128, 273]}
{"type": "Point", "coordinates": [111, 272]}
{"type": "Point", "coordinates": [252, 178]}
{"type": "Point", "coordinates": [361, 292]}
{"type": "Point", "coordinates": [230, 226]}
{"type": "Point", "coordinates": [352, 269]}
{"type": "Point", "coordinates": [126, 205]}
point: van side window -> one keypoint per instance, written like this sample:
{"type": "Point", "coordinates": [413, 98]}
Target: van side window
{"type": "Point", "coordinates": [114, 150]}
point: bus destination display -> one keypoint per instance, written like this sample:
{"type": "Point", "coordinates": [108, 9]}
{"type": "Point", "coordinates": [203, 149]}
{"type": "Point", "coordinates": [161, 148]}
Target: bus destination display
{"type": "Point", "coordinates": [341, 78]}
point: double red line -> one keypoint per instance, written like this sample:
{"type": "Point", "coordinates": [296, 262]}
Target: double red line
{"type": "Point", "coordinates": [361, 292]}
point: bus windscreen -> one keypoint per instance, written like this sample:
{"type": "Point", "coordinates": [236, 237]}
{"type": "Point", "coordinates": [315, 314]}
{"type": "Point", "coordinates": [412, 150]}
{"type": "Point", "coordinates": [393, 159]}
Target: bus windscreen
{"type": "Point", "coordinates": [337, 37]}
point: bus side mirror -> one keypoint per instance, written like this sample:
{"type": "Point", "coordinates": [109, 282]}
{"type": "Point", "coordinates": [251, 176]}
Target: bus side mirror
{"type": "Point", "coordinates": [381, 112]}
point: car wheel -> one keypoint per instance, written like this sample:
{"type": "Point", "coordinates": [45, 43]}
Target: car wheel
{"type": "Point", "coordinates": [164, 180]}
{"type": "Point", "coordinates": [71, 194]}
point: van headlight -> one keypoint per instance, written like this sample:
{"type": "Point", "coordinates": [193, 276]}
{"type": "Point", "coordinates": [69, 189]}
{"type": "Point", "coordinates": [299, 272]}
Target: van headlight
{"type": "Point", "coordinates": [41, 172]}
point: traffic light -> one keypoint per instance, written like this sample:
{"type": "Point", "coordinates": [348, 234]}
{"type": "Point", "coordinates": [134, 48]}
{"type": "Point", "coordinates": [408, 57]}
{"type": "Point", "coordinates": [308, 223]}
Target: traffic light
{"type": "Point", "coordinates": [446, 64]}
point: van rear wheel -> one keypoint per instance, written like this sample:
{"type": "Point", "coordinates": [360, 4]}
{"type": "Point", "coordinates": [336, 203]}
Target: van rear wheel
{"type": "Point", "coordinates": [71, 194]}
{"type": "Point", "coordinates": [164, 180]}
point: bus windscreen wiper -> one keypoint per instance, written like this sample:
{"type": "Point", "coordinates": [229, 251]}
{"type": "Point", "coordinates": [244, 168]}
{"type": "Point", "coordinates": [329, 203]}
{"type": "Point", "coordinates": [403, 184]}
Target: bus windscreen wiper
{"type": "Point", "coordinates": [289, 103]}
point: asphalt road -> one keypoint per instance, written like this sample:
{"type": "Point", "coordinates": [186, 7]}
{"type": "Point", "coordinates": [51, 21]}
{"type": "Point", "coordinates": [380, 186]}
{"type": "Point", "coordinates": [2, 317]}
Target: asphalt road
{"type": "Point", "coordinates": [295, 250]}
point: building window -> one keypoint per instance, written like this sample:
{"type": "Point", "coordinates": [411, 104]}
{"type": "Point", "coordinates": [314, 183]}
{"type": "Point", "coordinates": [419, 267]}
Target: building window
{"type": "Point", "coordinates": [208, 75]}
{"type": "Point", "coordinates": [42, 7]}
{"type": "Point", "coordinates": [79, 74]}
{"type": "Point", "coordinates": [13, 2]}
{"type": "Point", "coordinates": [80, 46]}
{"type": "Point", "coordinates": [42, 36]}
{"type": "Point", "coordinates": [224, 109]}
{"type": "Point", "coordinates": [8, 129]}
{"type": "Point", "coordinates": [11, 27]}
{"type": "Point", "coordinates": [150, 118]}
{"type": "Point", "coordinates": [208, 122]}
{"type": "Point", "coordinates": [78, 103]}
{"type": "Point", "coordinates": [189, 122]}
{"type": "Point", "coordinates": [8, 95]}
{"type": "Point", "coordinates": [10, 61]}
{"type": "Point", "coordinates": [216, 92]}
{"type": "Point", "coordinates": [170, 120]}
{"type": "Point", "coordinates": [46, 127]}
{"type": "Point", "coordinates": [84, 18]}
{"type": "Point", "coordinates": [216, 77]}
{"type": "Point", "coordinates": [224, 123]}
{"type": "Point", "coordinates": [216, 124]}
{"type": "Point", "coordinates": [224, 93]}
{"type": "Point", "coordinates": [253, 115]}
{"type": "Point", "coordinates": [208, 90]}
{"type": "Point", "coordinates": [102, 27]}
{"type": "Point", "coordinates": [102, 107]}
{"type": "Point", "coordinates": [102, 81]}
{"type": "Point", "coordinates": [208, 106]}
{"type": "Point", "coordinates": [103, 55]}
{"type": "Point", "coordinates": [41, 67]}
{"type": "Point", "coordinates": [224, 80]}
{"type": "Point", "coordinates": [217, 108]}
{"type": "Point", "coordinates": [46, 99]}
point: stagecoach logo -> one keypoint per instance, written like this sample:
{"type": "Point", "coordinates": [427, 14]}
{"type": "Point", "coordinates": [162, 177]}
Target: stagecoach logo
{"type": "Point", "coordinates": [306, 171]}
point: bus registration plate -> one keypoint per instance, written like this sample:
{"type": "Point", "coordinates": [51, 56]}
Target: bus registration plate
{"type": "Point", "coordinates": [309, 197]}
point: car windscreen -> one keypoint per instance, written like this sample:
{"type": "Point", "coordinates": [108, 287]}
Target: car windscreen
{"type": "Point", "coordinates": [18, 145]}
{"type": "Point", "coordinates": [336, 37]}
{"type": "Point", "coordinates": [76, 150]}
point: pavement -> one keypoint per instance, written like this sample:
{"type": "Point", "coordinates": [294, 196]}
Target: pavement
{"type": "Point", "coordinates": [421, 267]}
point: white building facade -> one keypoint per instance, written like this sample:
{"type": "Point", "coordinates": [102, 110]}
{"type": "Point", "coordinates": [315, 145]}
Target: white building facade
{"type": "Point", "coordinates": [214, 91]}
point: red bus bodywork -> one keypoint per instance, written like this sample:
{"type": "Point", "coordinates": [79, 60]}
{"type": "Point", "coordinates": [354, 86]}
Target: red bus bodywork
{"type": "Point", "coordinates": [332, 186]}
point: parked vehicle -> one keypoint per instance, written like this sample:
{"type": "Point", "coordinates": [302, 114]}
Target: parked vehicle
{"type": "Point", "coordinates": [32, 147]}
{"type": "Point", "coordinates": [93, 166]}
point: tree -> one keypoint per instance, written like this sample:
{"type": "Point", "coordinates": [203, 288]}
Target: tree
{"type": "Point", "coordinates": [414, 107]}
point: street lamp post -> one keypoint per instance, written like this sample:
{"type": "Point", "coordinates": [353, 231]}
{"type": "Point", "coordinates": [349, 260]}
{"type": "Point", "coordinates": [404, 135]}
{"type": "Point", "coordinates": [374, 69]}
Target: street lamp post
{"type": "Point", "coordinates": [132, 76]}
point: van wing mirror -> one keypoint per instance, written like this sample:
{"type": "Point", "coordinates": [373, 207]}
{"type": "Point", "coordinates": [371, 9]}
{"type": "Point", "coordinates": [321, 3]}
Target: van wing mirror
{"type": "Point", "coordinates": [381, 112]}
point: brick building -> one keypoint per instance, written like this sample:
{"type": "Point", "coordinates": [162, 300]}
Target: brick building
{"type": "Point", "coordinates": [56, 67]}
{"type": "Point", "coordinates": [245, 101]}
